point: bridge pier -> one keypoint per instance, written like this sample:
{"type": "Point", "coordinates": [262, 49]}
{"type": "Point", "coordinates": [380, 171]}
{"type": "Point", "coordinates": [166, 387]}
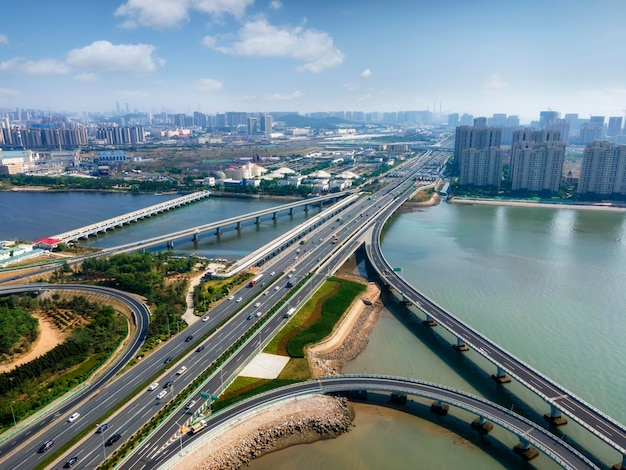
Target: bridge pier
{"type": "Point", "coordinates": [275, 216]}
{"type": "Point", "coordinates": [438, 408]}
{"type": "Point", "coordinates": [525, 450]}
{"type": "Point", "coordinates": [195, 237]}
{"type": "Point", "coordinates": [238, 227]}
{"type": "Point", "coordinates": [291, 211]}
{"type": "Point", "coordinates": [500, 376]}
{"type": "Point", "coordinates": [429, 321]}
{"type": "Point", "coordinates": [555, 418]}
{"type": "Point", "coordinates": [460, 345]}
{"type": "Point", "coordinates": [306, 208]}
{"type": "Point", "coordinates": [481, 425]}
{"type": "Point", "coordinates": [258, 220]}
{"type": "Point", "coordinates": [620, 466]}
{"type": "Point", "coordinates": [218, 231]}
{"type": "Point", "coordinates": [170, 245]}
{"type": "Point", "coordinates": [399, 398]}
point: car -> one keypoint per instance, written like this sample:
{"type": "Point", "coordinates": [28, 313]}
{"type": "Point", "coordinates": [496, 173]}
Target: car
{"type": "Point", "coordinates": [290, 276]}
{"type": "Point", "coordinates": [103, 427]}
{"type": "Point", "coordinates": [295, 257]}
{"type": "Point", "coordinates": [190, 404]}
{"type": "Point", "coordinates": [113, 439]}
{"type": "Point", "coordinates": [188, 338]}
{"type": "Point", "coordinates": [232, 297]}
{"type": "Point", "coordinates": [168, 359]}
{"type": "Point", "coordinates": [272, 273]}
{"type": "Point", "coordinates": [45, 446]}
{"type": "Point", "coordinates": [277, 288]}
{"type": "Point", "coordinates": [161, 395]}
{"type": "Point", "coordinates": [265, 293]}
{"type": "Point", "coordinates": [73, 418]}
{"type": "Point", "coordinates": [70, 462]}
{"type": "Point", "coordinates": [153, 386]}
{"type": "Point", "coordinates": [293, 270]}
{"type": "Point", "coordinates": [258, 304]}
{"type": "Point", "coordinates": [168, 384]}
{"type": "Point", "coordinates": [262, 284]}
{"type": "Point", "coordinates": [200, 348]}
{"type": "Point", "coordinates": [205, 319]}
{"type": "Point", "coordinates": [239, 299]}
{"type": "Point", "coordinates": [258, 314]}
{"type": "Point", "coordinates": [251, 316]}
{"type": "Point", "coordinates": [181, 371]}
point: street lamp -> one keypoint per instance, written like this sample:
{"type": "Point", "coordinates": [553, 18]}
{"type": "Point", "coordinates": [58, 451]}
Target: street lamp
{"type": "Point", "coordinates": [104, 449]}
{"type": "Point", "coordinates": [181, 438]}
{"type": "Point", "coordinates": [13, 413]}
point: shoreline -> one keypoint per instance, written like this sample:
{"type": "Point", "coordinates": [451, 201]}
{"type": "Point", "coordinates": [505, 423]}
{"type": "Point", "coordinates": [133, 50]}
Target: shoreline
{"type": "Point", "coordinates": [551, 205]}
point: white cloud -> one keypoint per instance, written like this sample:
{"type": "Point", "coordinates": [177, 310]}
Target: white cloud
{"type": "Point", "coordinates": [171, 13]}
{"type": "Point", "coordinates": [102, 55]}
{"type": "Point", "coordinates": [4, 39]}
{"type": "Point", "coordinates": [35, 67]}
{"type": "Point", "coordinates": [247, 98]}
{"type": "Point", "coordinates": [280, 97]}
{"type": "Point", "coordinates": [208, 85]}
{"type": "Point", "coordinates": [350, 87]}
{"type": "Point", "coordinates": [261, 39]}
{"type": "Point", "coordinates": [276, 5]}
{"type": "Point", "coordinates": [367, 73]}
{"type": "Point", "coordinates": [86, 77]}
{"type": "Point", "coordinates": [8, 92]}
{"type": "Point", "coordinates": [495, 85]}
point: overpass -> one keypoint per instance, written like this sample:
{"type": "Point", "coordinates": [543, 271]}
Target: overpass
{"type": "Point", "coordinates": [128, 218]}
{"type": "Point", "coordinates": [558, 397]}
{"type": "Point", "coordinates": [528, 432]}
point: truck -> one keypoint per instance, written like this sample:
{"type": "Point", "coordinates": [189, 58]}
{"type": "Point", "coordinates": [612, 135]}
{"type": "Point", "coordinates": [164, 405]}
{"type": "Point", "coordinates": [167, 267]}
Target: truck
{"type": "Point", "coordinates": [255, 280]}
{"type": "Point", "coordinates": [290, 312]}
{"type": "Point", "coordinates": [199, 426]}
{"type": "Point", "coordinates": [292, 282]}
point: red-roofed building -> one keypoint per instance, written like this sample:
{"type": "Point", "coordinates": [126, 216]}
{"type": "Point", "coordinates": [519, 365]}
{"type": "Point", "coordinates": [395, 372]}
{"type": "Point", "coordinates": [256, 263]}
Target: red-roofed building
{"type": "Point", "coordinates": [47, 243]}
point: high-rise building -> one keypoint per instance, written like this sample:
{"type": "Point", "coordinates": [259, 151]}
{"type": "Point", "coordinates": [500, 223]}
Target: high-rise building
{"type": "Point", "coordinates": [466, 120]}
{"type": "Point", "coordinates": [498, 120]}
{"type": "Point", "coordinates": [615, 127]}
{"type": "Point", "coordinates": [589, 131]}
{"type": "Point", "coordinates": [480, 121]}
{"type": "Point", "coordinates": [536, 160]}
{"type": "Point", "coordinates": [252, 123]}
{"type": "Point", "coordinates": [603, 169]}
{"type": "Point", "coordinates": [477, 138]}
{"type": "Point", "coordinates": [481, 167]}
{"type": "Point", "coordinates": [453, 120]}
{"type": "Point", "coordinates": [179, 119]}
{"type": "Point", "coordinates": [266, 124]}
{"type": "Point", "coordinates": [574, 125]}
{"type": "Point", "coordinates": [548, 118]}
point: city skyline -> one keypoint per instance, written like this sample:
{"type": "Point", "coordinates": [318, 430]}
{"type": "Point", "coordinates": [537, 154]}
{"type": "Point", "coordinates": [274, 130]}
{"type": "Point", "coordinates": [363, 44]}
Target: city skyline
{"type": "Point", "coordinates": [246, 55]}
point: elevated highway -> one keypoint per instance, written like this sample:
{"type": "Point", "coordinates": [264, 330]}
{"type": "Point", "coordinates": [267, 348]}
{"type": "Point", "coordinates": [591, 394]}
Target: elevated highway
{"type": "Point", "coordinates": [558, 397]}
{"type": "Point", "coordinates": [528, 432]}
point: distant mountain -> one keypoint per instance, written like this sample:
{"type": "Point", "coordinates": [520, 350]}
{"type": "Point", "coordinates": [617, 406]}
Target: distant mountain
{"type": "Point", "coordinates": [296, 120]}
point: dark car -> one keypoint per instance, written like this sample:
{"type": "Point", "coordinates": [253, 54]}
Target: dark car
{"type": "Point", "coordinates": [102, 428]}
{"type": "Point", "coordinates": [200, 348]}
{"type": "Point", "coordinates": [113, 439]}
{"type": "Point", "coordinates": [70, 462]}
{"type": "Point", "coordinates": [46, 445]}
{"type": "Point", "coordinates": [188, 338]}
{"type": "Point", "coordinates": [169, 359]}
{"type": "Point", "coordinates": [168, 384]}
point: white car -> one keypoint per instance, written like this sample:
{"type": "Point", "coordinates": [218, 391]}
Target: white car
{"type": "Point", "coordinates": [205, 319]}
{"type": "Point", "coordinates": [258, 314]}
{"type": "Point", "coordinates": [277, 288]}
{"type": "Point", "coordinates": [232, 297]}
{"type": "Point", "coordinates": [153, 386]}
{"type": "Point", "coordinates": [161, 394]}
{"type": "Point", "coordinates": [272, 273]}
{"type": "Point", "coordinates": [73, 418]}
{"type": "Point", "coordinates": [181, 371]}
{"type": "Point", "coordinates": [239, 299]}
{"type": "Point", "coordinates": [258, 304]}
{"type": "Point", "coordinates": [190, 404]}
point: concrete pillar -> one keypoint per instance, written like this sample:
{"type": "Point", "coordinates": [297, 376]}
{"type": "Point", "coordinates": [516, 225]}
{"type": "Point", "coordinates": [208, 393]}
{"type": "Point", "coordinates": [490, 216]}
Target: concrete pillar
{"type": "Point", "coordinates": [525, 450]}
{"type": "Point", "coordinates": [439, 408]}
{"type": "Point", "coordinates": [306, 208]}
{"type": "Point", "coordinates": [275, 216]}
{"type": "Point", "coordinates": [619, 466]}
{"type": "Point", "coordinates": [500, 376]}
{"type": "Point", "coordinates": [429, 321]}
{"type": "Point", "coordinates": [460, 345]}
{"type": "Point", "coordinates": [555, 418]}
{"type": "Point", "coordinates": [195, 237]}
{"type": "Point", "coordinates": [291, 211]}
{"type": "Point", "coordinates": [170, 245]}
{"type": "Point", "coordinates": [238, 226]}
{"type": "Point", "coordinates": [258, 220]}
{"type": "Point", "coordinates": [481, 425]}
{"type": "Point", "coordinates": [218, 231]}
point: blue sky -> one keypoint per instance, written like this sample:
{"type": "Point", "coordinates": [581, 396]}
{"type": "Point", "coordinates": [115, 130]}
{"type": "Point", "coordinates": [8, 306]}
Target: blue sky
{"type": "Point", "coordinates": [480, 57]}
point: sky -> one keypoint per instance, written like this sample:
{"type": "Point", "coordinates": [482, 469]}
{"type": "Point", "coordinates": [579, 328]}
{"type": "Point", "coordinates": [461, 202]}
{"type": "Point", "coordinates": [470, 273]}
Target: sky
{"type": "Point", "coordinates": [480, 56]}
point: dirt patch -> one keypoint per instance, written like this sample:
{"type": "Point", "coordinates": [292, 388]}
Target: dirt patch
{"type": "Point", "coordinates": [49, 337]}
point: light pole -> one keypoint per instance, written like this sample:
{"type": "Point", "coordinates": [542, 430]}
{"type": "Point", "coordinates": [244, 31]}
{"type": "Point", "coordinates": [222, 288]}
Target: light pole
{"type": "Point", "coordinates": [13, 413]}
{"type": "Point", "coordinates": [181, 438]}
{"type": "Point", "coordinates": [104, 449]}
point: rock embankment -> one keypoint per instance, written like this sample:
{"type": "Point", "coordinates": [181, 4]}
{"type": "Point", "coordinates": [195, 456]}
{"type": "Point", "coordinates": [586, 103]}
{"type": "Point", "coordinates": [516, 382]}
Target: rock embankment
{"type": "Point", "coordinates": [296, 423]}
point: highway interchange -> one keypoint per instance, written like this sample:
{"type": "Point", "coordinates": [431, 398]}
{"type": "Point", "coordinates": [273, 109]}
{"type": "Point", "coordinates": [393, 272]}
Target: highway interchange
{"type": "Point", "coordinates": [317, 259]}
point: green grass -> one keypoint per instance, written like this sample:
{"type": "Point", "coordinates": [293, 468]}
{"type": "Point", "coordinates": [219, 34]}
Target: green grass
{"type": "Point", "coordinates": [261, 385]}
{"type": "Point", "coordinates": [332, 310]}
